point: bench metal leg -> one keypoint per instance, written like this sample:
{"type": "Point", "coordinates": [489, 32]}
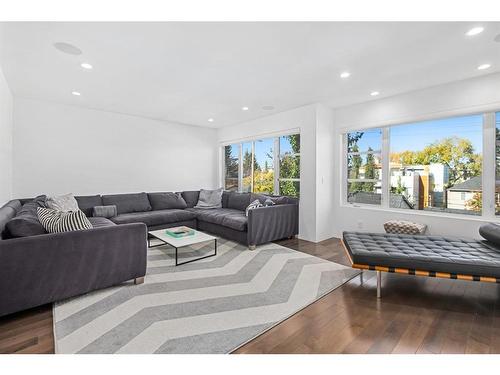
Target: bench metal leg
{"type": "Point", "coordinates": [379, 283]}
{"type": "Point", "coordinates": [361, 277]}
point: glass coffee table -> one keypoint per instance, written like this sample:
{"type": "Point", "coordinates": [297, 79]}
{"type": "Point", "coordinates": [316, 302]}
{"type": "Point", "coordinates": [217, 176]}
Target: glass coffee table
{"type": "Point", "coordinates": [178, 243]}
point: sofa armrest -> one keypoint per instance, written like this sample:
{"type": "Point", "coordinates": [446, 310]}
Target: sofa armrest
{"type": "Point", "coordinates": [41, 269]}
{"type": "Point", "coordinates": [272, 223]}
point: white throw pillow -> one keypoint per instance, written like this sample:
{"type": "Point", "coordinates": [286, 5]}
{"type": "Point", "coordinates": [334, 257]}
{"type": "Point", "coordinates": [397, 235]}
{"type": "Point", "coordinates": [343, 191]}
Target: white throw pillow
{"type": "Point", "coordinates": [65, 203]}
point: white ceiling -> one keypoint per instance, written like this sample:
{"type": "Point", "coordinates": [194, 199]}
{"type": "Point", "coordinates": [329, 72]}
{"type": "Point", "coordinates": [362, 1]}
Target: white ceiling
{"type": "Point", "coordinates": [189, 72]}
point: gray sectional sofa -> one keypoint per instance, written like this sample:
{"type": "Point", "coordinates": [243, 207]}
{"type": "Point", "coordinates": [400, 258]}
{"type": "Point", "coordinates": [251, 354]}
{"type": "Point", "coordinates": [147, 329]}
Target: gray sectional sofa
{"type": "Point", "coordinates": [38, 268]}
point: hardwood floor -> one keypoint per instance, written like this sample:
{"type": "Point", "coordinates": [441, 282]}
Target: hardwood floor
{"type": "Point", "coordinates": [415, 315]}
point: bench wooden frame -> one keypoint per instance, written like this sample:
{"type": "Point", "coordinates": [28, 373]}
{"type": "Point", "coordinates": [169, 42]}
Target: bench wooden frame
{"type": "Point", "coordinates": [415, 272]}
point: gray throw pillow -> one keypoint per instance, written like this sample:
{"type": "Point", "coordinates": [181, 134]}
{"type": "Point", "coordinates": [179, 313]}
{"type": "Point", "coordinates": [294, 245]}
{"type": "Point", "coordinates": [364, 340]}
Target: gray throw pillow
{"type": "Point", "coordinates": [64, 203]}
{"type": "Point", "coordinates": [491, 233]}
{"type": "Point", "coordinates": [209, 199]}
{"type": "Point", "coordinates": [104, 211]}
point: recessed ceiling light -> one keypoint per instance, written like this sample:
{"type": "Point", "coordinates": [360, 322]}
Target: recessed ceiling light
{"type": "Point", "coordinates": [267, 107]}
{"type": "Point", "coordinates": [245, 108]}
{"type": "Point", "coordinates": [67, 48]}
{"type": "Point", "coordinates": [374, 93]}
{"type": "Point", "coordinates": [76, 93]}
{"type": "Point", "coordinates": [210, 120]}
{"type": "Point", "coordinates": [475, 31]}
{"type": "Point", "coordinates": [86, 66]}
{"type": "Point", "coordinates": [483, 66]}
{"type": "Point", "coordinates": [345, 75]}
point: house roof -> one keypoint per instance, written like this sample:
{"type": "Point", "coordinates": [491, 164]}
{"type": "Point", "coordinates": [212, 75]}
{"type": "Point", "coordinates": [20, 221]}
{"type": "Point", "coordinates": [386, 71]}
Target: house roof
{"type": "Point", "coordinates": [473, 184]}
{"type": "Point", "coordinates": [396, 200]}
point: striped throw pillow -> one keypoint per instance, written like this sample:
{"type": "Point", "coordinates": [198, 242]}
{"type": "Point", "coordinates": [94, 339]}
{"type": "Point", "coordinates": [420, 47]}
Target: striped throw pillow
{"type": "Point", "coordinates": [255, 204]}
{"type": "Point", "coordinates": [58, 221]}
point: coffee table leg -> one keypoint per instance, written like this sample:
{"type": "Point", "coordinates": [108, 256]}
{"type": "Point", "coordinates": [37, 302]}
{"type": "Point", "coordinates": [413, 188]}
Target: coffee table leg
{"type": "Point", "coordinates": [194, 260]}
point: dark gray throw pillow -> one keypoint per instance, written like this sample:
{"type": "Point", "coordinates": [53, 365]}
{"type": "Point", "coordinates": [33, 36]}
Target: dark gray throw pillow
{"type": "Point", "coordinates": [104, 211]}
{"type": "Point", "coordinates": [166, 201]}
{"type": "Point", "coordinates": [490, 232]}
{"type": "Point", "coordinates": [26, 222]}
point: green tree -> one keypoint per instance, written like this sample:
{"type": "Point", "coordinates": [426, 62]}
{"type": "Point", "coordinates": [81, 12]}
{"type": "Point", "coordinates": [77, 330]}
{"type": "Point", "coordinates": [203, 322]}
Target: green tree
{"type": "Point", "coordinates": [290, 168]}
{"type": "Point", "coordinates": [370, 167]}
{"type": "Point", "coordinates": [457, 154]}
{"type": "Point", "coordinates": [231, 165]}
{"type": "Point", "coordinates": [354, 163]}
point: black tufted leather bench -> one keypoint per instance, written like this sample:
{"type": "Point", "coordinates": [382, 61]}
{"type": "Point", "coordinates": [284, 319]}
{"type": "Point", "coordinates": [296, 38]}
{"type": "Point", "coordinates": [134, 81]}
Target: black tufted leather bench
{"type": "Point", "coordinates": [434, 256]}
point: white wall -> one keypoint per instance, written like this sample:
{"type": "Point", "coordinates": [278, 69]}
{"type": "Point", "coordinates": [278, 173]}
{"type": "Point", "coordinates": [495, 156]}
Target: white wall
{"type": "Point", "coordinates": [469, 96]}
{"type": "Point", "coordinates": [310, 120]}
{"type": "Point", "coordinates": [5, 141]}
{"type": "Point", "coordinates": [60, 149]}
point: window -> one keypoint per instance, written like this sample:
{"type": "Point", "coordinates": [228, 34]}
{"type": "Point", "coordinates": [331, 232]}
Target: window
{"type": "Point", "coordinates": [270, 166]}
{"type": "Point", "coordinates": [432, 165]}
{"type": "Point", "coordinates": [289, 165]}
{"type": "Point", "coordinates": [364, 166]}
{"type": "Point", "coordinates": [437, 165]}
{"type": "Point", "coordinates": [231, 162]}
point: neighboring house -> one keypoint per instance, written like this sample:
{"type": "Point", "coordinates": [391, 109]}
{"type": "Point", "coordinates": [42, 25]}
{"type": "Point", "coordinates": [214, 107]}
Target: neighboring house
{"type": "Point", "coordinates": [424, 184]}
{"type": "Point", "coordinates": [460, 194]}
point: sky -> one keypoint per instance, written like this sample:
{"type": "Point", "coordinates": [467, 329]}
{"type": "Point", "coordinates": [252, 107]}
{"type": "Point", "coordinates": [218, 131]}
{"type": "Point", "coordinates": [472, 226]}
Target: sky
{"type": "Point", "coordinates": [415, 136]}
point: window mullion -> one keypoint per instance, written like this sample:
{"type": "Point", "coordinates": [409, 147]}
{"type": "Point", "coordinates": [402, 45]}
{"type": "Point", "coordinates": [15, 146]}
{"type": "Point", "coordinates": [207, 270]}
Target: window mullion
{"type": "Point", "coordinates": [240, 167]}
{"type": "Point", "coordinates": [276, 165]}
{"type": "Point", "coordinates": [252, 169]}
{"type": "Point", "coordinates": [489, 157]}
{"type": "Point", "coordinates": [385, 167]}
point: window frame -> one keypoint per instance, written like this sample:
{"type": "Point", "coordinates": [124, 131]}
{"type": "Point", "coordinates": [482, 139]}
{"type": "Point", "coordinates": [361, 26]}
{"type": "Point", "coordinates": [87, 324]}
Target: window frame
{"type": "Point", "coordinates": [276, 158]}
{"type": "Point", "coordinates": [488, 175]}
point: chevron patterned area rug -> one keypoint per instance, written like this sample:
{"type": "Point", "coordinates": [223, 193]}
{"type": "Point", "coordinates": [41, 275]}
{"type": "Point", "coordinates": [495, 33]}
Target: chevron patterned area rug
{"type": "Point", "coordinates": [209, 306]}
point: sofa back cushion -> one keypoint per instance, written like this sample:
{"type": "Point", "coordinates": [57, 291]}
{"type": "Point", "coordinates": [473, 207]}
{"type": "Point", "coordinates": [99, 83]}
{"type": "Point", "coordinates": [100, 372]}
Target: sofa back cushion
{"type": "Point", "coordinates": [191, 197]}
{"type": "Point", "coordinates": [225, 196]}
{"type": "Point", "coordinates": [26, 222]}
{"type": "Point", "coordinates": [276, 199]}
{"type": "Point", "coordinates": [125, 203]}
{"type": "Point", "coordinates": [7, 213]}
{"type": "Point", "coordinates": [238, 201]}
{"type": "Point", "coordinates": [87, 202]}
{"type": "Point", "coordinates": [166, 201]}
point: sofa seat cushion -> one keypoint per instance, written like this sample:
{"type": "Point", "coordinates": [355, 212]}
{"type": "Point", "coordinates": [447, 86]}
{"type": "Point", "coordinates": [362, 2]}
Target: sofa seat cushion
{"type": "Point", "coordinates": [226, 217]}
{"type": "Point", "coordinates": [98, 222]}
{"type": "Point", "coordinates": [151, 218]}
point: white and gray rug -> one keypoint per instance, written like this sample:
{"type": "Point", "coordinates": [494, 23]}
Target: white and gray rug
{"type": "Point", "coordinates": [210, 306]}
